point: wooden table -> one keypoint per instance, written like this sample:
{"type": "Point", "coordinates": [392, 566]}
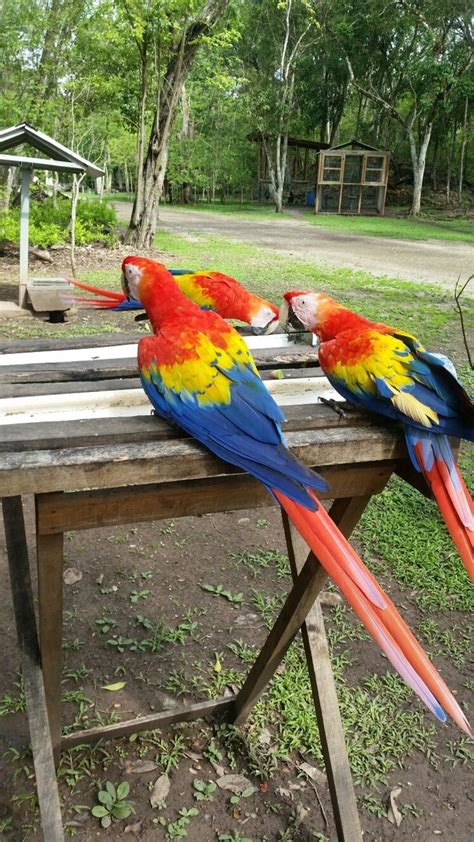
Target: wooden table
{"type": "Point", "coordinates": [76, 431]}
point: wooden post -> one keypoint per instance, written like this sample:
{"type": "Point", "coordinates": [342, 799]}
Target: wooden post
{"type": "Point", "coordinates": [26, 173]}
{"type": "Point", "coordinates": [344, 803]}
{"type": "Point", "coordinates": [22, 594]}
{"type": "Point", "coordinates": [50, 602]}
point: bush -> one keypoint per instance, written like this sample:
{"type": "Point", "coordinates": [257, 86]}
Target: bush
{"type": "Point", "coordinates": [49, 226]}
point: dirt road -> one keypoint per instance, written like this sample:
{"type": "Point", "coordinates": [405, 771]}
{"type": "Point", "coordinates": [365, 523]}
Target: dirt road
{"type": "Point", "coordinates": [437, 261]}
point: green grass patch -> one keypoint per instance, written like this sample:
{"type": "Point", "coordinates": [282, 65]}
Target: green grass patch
{"type": "Point", "coordinates": [422, 308]}
{"type": "Point", "coordinates": [407, 532]}
{"type": "Point", "coordinates": [396, 228]}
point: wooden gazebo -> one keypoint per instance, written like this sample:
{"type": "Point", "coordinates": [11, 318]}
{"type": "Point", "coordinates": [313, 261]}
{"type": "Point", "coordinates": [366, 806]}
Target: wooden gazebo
{"type": "Point", "coordinates": [61, 159]}
{"type": "Point", "coordinates": [352, 179]}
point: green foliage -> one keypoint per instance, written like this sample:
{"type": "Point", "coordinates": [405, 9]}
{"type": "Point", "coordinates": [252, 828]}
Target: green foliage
{"type": "Point", "coordinates": [113, 805]}
{"type": "Point", "coordinates": [50, 225]}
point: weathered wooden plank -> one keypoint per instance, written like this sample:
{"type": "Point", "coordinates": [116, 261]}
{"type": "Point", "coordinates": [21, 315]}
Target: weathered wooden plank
{"type": "Point", "coordinates": [22, 594]}
{"type": "Point", "coordinates": [46, 435]}
{"type": "Point", "coordinates": [50, 564]}
{"type": "Point", "coordinates": [19, 390]}
{"type": "Point", "coordinates": [19, 346]}
{"type": "Point", "coordinates": [59, 512]}
{"type": "Point", "coordinates": [140, 464]}
{"type": "Point", "coordinates": [182, 713]}
{"type": "Point", "coordinates": [266, 358]}
{"type": "Point", "coordinates": [24, 390]}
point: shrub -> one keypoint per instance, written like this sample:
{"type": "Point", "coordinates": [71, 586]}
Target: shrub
{"type": "Point", "coordinates": [95, 222]}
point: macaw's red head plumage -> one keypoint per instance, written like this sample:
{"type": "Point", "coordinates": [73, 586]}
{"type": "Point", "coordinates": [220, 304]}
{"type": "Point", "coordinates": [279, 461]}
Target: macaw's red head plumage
{"type": "Point", "coordinates": [320, 313]}
{"type": "Point", "coordinates": [210, 290]}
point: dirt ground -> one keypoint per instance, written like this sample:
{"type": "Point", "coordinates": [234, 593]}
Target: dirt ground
{"type": "Point", "coordinates": [437, 261]}
{"type": "Point", "coordinates": [137, 613]}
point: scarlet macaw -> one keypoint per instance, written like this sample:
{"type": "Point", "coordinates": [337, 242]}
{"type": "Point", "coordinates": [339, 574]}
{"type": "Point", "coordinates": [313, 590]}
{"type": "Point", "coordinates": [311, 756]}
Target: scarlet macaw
{"type": "Point", "coordinates": [198, 372]}
{"type": "Point", "coordinates": [211, 290]}
{"type": "Point", "coordinates": [389, 372]}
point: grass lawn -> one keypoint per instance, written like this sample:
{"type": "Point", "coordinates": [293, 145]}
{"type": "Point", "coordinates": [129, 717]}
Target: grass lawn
{"type": "Point", "coordinates": [396, 228]}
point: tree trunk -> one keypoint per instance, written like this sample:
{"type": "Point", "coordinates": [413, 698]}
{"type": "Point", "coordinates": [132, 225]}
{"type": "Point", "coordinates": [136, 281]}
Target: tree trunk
{"type": "Point", "coordinates": [418, 159]}
{"type": "Point", "coordinates": [76, 183]}
{"type": "Point", "coordinates": [449, 161]}
{"type": "Point", "coordinates": [7, 191]}
{"type": "Point", "coordinates": [463, 147]}
{"type": "Point", "coordinates": [137, 209]}
{"type": "Point", "coordinates": [142, 226]}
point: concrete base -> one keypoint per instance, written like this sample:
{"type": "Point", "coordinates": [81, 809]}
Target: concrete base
{"type": "Point", "coordinates": [11, 310]}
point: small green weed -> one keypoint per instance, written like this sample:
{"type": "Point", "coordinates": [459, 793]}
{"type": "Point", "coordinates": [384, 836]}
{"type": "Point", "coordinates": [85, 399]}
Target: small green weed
{"type": "Point", "coordinates": [219, 590]}
{"type": "Point", "coordinates": [113, 804]}
{"type": "Point", "coordinates": [202, 790]}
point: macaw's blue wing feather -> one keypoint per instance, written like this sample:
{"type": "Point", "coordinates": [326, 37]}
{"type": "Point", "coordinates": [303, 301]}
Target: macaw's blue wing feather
{"type": "Point", "coordinates": [245, 431]}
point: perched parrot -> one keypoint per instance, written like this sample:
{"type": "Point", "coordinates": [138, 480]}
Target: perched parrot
{"type": "Point", "coordinates": [198, 372]}
{"type": "Point", "coordinates": [211, 290]}
{"type": "Point", "coordinates": [389, 372]}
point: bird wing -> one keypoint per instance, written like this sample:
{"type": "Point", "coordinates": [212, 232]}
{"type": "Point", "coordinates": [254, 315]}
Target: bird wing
{"type": "Point", "coordinates": [214, 392]}
{"type": "Point", "coordinates": [395, 376]}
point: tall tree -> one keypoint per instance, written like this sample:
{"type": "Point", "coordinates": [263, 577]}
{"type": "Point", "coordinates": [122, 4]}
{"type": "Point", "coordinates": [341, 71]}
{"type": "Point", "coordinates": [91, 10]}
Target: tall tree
{"type": "Point", "coordinates": [182, 49]}
{"type": "Point", "coordinates": [413, 53]}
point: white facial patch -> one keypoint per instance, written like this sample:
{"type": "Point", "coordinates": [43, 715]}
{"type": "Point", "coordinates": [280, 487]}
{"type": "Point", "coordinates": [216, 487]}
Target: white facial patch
{"type": "Point", "coordinates": [262, 317]}
{"type": "Point", "coordinates": [305, 307]}
{"type": "Point", "coordinates": [132, 275]}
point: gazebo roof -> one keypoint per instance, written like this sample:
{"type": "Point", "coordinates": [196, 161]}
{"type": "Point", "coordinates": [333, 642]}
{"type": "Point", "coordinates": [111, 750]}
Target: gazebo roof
{"type": "Point", "coordinates": [62, 158]}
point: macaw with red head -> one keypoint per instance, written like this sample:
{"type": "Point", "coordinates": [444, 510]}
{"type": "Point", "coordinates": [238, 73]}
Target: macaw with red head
{"type": "Point", "coordinates": [197, 372]}
{"type": "Point", "coordinates": [389, 372]}
{"type": "Point", "coordinates": [210, 290]}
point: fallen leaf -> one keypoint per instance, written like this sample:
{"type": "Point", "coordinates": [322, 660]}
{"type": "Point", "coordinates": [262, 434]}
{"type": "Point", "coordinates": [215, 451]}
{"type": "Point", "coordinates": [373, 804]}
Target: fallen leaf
{"type": "Point", "coordinates": [71, 576]}
{"type": "Point", "coordinates": [219, 770]}
{"type": "Point", "coordinates": [194, 756]}
{"type": "Point", "coordinates": [245, 620]}
{"type": "Point", "coordinates": [331, 599]}
{"type": "Point", "coordinates": [100, 579]}
{"type": "Point", "coordinates": [233, 783]}
{"type": "Point", "coordinates": [394, 815]}
{"type": "Point", "coordinates": [160, 790]}
{"type": "Point", "coordinates": [312, 772]}
{"type": "Point", "coordinates": [264, 738]}
{"type": "Point", "coordinates": [114, 687]}
{"type": "Point", "coordinates": [301, 813]}
{"type": "Point", "coordinates": [141, 767]}
{"type": "Point", "coordinates": [133, 828]}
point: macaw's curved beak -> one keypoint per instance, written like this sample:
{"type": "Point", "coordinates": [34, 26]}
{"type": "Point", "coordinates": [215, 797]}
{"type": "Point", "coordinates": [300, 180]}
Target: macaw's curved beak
{"type": "Point", "coordinates": [125, 287]}
{"type": "Point", "coordinates": [288, 318]}
{"type": "Point", "coordinates": [271, 327]}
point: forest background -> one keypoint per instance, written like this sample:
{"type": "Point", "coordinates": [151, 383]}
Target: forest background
{"type": "Point", "coordinates": [164, 93]}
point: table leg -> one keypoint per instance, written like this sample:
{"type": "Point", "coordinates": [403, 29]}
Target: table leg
{"type": "Point", "coordinates": [25, 620]}
{"type": "Point", "coordinates": [292, 615]}
{"type": "Point", "coordinates": [346, 513]}
{"type": "Point", "coordinates": [50, 560]}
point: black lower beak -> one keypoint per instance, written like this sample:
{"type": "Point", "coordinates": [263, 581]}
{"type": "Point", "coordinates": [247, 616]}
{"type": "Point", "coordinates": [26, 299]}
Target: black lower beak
{"type": "Point", "coordinates": [294, 321]}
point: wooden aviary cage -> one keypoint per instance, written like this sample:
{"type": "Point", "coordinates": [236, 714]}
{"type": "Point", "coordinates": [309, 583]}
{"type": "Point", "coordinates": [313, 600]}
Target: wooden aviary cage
{"type": "Point", "coordinates": [352, 179]}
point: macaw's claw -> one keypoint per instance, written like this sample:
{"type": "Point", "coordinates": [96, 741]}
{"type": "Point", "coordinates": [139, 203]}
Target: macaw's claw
{"type": "Point", "coordinates": [333, 404]}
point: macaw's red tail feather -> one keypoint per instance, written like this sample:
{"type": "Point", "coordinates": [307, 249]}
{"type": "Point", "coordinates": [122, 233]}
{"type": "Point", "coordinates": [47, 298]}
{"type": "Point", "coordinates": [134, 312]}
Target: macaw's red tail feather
{"type": "Point", "coordinates": [380, 617]}
{"type": "Point", "coordinates": [107, 293]}
{"type": "Point", "coordinates": [454, 503]}
{"type": "Point", "coordinates": [105, 303]}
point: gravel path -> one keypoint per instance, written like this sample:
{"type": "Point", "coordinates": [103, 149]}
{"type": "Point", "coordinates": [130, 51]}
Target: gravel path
{"type": "Point", "coordinates": [436, 261]}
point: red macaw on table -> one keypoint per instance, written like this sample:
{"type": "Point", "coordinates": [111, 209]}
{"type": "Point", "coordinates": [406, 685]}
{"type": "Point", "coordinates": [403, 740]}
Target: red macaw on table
{"type": "Point", "coordinates": [198, 372]}
{"type": "Point", "coordinates": [388, 371]}
{"type": "Point", "coordinates": [211, 290]}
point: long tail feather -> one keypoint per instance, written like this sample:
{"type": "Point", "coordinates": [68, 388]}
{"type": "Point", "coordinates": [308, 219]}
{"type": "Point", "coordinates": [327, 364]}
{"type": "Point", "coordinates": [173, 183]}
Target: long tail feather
{"type": "Point", "coordinates": [107, 293]}
{"type": "Point", "coordinates": [384, 623]}
{"type": "Point", "coordinates": [435, 459]}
